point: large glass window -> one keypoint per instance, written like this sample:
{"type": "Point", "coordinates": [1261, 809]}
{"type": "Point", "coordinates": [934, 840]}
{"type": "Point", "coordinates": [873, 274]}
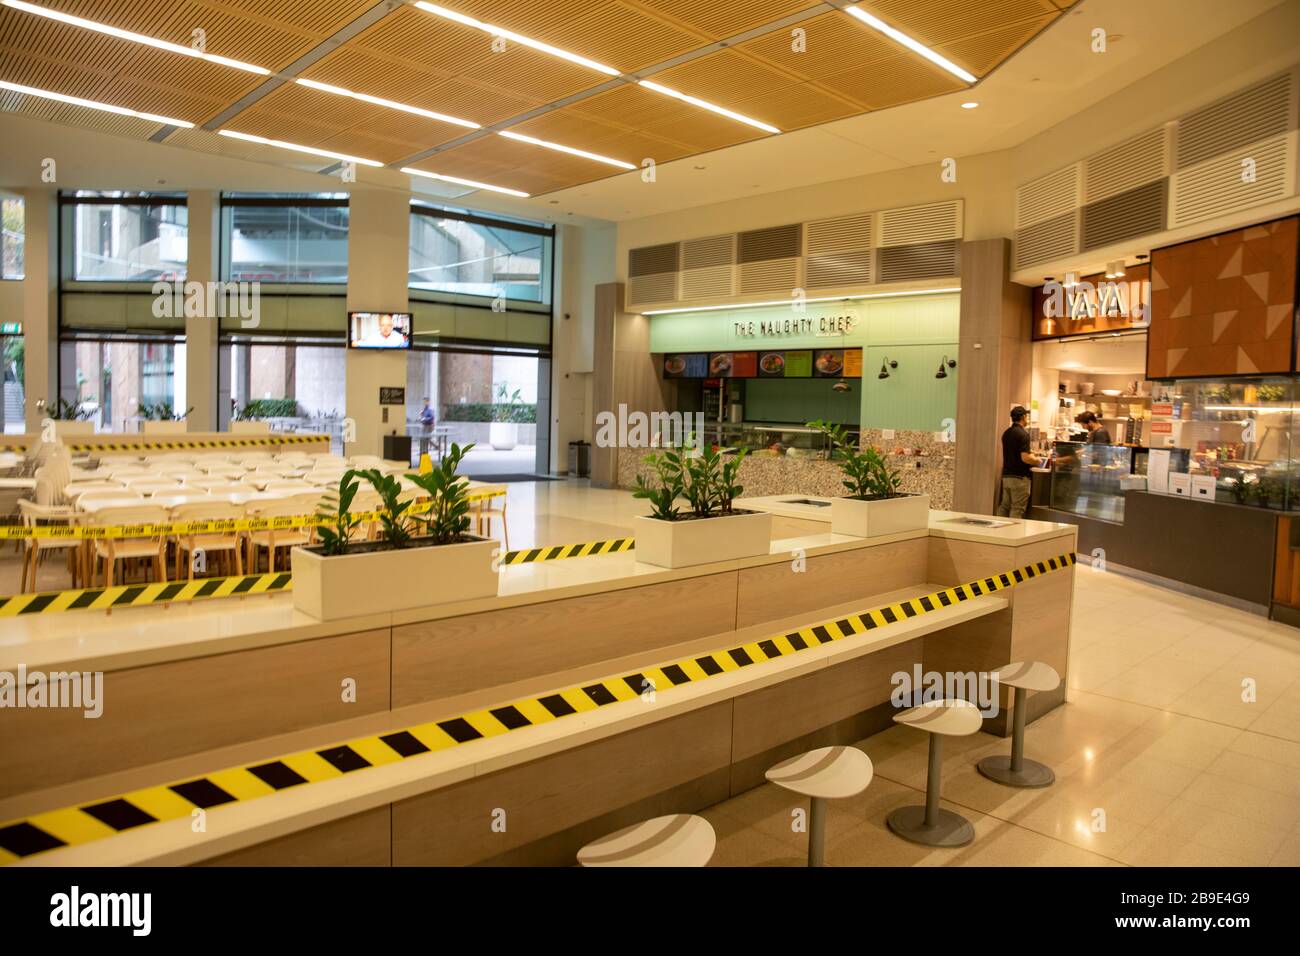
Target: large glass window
{"type": "Point", "coordinates": [475, 255]}
{"type": "Point", "coordinates": [294, 385]}
{"type": "Point", "coordinates": [11, 247]}
{"type": "Point", "coordinates": [120, 383]}
{"type": "Point", "coordinates": [285, 238]}
{"type": "Point", "coordinates": [125, 237]}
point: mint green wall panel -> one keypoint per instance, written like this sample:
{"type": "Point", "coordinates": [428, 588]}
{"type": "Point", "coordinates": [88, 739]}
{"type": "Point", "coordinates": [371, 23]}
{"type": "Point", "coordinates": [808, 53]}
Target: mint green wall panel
{"type": "Point", "coordinates": [911, 397]}
{"type": "Point", "coordinates": [800, 400]}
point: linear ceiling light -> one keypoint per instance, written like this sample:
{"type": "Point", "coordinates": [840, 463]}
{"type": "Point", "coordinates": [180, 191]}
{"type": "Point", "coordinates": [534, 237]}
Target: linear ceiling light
{"type": "Point", "coordinates": [900, 37]}
{"type": "Point", "coordinates": [567, 149]}
{"type": "Point", "coordinates": [711, 107]}
{"type": "Point", "coordinates": [91, 104]}
{"type": "Point", "coordinates": [280, 144]}
{"type": "Point", "coordinates": [830, 298]}
{"type": "Point", "coordinates": [133, 37]}
{"type": "Point", "coordinates": [464, 182]}
{"type": "Point", "coordinates": [517, 38]}
{"type": "Point", "coordinates": [390, 104]}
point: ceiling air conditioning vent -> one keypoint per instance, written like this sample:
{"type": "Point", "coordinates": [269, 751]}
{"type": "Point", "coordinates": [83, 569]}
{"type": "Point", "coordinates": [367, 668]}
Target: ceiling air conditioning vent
{"type": "Point", "coordinates": [649, 260]}
{"type": "Point", "coordinates": [644, 290]}
{"type": "Point", "coordinates": [1127, 165]}
{"type": "Point", "coordinates": [1046, 241]}
{"type": "Point", "coordinates": [1216, 187]}
{"type": "Point", "coordinates": [707, 267]}
{"type": "Point", "coordinates": [770, 275]}
{"type": "Point", "coordinates": [779, 242]}
{"type": "Point", "coordinates": [917, 224]}
{"type": "Point", "coordinates": [1258, 113]}
{"type": "Point", "coordinates": [652, 273]}
{"type": "Point", "coordinates": [831, 269]}
{"type": "Point", "coordinates": [1134, 213]}
{"type": "Point", "coordinates": [837, 235]}
{"type": "Point", "coordinates": [1047, 197]}
{"type": "Point", "coordinates": [924, 260]}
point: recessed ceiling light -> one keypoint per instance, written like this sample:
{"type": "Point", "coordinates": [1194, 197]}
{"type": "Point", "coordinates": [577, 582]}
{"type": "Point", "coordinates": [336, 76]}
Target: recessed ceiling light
{"type": "Point", "coordinates": [92, 104]}
{"type": "Point", "coordinates": [970, 106]}
{"type": "Point", "coordinates": [518, 38]}
{"type": "Point", "coordinates": [133, 37]}
{"type": "Point", "coordinates": [464, 182]}
{"type": "Point", "coordinates": [914, 45]}
{"type": "Point", "coordinates": [280, 144]}
{"type": "Point", "coordinates": [566, 149]}
{"type": "Point", "coordinates": [390, 104]}
{"type": "Point", "coordinates": [711, 107]}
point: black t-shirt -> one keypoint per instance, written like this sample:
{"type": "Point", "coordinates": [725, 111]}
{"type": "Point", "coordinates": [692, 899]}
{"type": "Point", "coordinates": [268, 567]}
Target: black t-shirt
{"type": "Point", "coordinates": [1099, 436]}
{"type": "Point", "coordinates": [1014, 441]}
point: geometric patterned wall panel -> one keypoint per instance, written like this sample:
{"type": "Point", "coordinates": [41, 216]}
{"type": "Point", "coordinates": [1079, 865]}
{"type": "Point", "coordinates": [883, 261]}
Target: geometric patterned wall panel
{"type": "Point", "coordinates": [1225, 304]}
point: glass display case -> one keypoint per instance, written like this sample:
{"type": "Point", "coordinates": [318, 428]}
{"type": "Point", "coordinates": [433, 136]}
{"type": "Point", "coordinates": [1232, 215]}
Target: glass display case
{"type": "Point", "coordinates": [1240, 431]}
{"type": "Point", "coordinates": [1090, 480]}
{"type": "Point", "coordinates": [771, 440]}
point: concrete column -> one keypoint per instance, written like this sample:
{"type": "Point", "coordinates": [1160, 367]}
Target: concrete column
{"type": "Point", "coordinates": [40, 302]}
{"type": "Point", "coordinates": [378, 249]}
{"type": "Point", "coordinates": [995, 364]}
{"type": "Point", "coordinates": [201, 331]}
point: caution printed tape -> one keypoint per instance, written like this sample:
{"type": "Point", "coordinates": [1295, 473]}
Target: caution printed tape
{"type": "Point", "coordinates": [213, 444]}
{"type": "Point", "coordinates": [559, 551]}
{"type": "Point", "coordinates": [85, 823]}
{"type": "Point", "coordinates": [215, 526]}
{"type": "Point", "coordinates": [142, 595]}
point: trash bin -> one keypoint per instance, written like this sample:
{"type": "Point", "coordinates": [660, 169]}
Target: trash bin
{"type": "Point", "coordinates": [579, 458]}
{"type": "Point", "coordinates": [397, 448]}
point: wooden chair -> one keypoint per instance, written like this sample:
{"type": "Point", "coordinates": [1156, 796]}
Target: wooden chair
{"type": "Point", "coordinates": [112, 550]}
{"type": "Point", "coordinates": [226, 544]}
{"type": "Point", "coordinates": [272, 540]}
{"type": "Point", "coordinates": [485, 510]}
{"type": "Point", "coordinates": [36, 516]}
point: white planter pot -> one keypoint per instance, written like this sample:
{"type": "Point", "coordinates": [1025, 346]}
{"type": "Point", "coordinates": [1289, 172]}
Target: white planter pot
{"type": "Point", "coordinates": [870, 519]}
{"type": "Point", "coordinates": [64, 428]}
{"type": "Point", "coordinates": [680, 544]}
{"type": "Point", "coordinates": [163, 428]}
{"type": "Point", "coordinates": [503, 436]}
{"type": "Point", "coordinates": [372, 582]}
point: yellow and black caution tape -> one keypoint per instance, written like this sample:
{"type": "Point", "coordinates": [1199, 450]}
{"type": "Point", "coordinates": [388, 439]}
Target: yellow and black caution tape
{"type": "Point", "coordinates": [85, 823]}
{"type": "Point", "coordinates": [211, 444]}
{"type": "Point", "coordinates": [140, 595]}
{"type": "Point", "coordinates": [217, 526]}
{"type": "Point", "coordinates": [558, 551]}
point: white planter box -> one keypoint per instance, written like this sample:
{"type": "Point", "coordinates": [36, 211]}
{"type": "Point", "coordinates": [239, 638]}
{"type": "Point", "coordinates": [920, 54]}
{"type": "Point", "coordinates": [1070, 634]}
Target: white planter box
{"type": "Point", "coordinates": [163, 428]}
{"type": "Point", "coordinates": [870, 519]}
{"type": "Point", "coordinates": [503, 436]}
{"type": "Point", "coordinates": [376, 581]}
{"type": "Point", "coordinates": [250, 428]}
{"type": "Point", "coordinates": [67, 428]}
{"type": "Point", "coordinates": [680, 544]}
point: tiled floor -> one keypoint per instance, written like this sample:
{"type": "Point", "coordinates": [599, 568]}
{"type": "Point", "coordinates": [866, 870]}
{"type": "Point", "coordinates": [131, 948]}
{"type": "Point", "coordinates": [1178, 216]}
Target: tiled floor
{"type": "Point", "coordinates": [1159, 760]}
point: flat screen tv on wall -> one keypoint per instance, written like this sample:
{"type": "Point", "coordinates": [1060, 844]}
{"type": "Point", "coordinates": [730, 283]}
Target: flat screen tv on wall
{"type": "Point", "coordinates": [379, 330]}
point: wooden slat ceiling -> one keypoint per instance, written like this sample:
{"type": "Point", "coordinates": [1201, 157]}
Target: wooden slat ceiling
{"type": "Point", "coordinates": [414, 57]}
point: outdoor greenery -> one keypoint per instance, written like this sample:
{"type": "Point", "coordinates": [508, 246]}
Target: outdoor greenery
{"type": "Point", "coordinates": [162, 412]}
{"type": "Point", "coordinates": [258, 408]}
{"type": "Point", "coordinates": [507, 405]}
{"type": "Point", "coordinates": [65, 411]}
{"type": "Point", "coordinates": [867, 474]}
{"type": "Point", "coordinates": [706, 481]}
{"type": "Point", "coordinates": [524, 413]}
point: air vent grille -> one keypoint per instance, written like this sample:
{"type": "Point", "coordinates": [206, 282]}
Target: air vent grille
{"type": "Point", "coordinates": [714, 282]}
{"type": "Point", "coordinates": [838, 268]}
{"type": "Point", "coordinates": [652, 260]}
{"type": "Point", "coordinates": [1127, 165]}
{"type": "Point", "coordinates": [1047, 197]}
{"type": "Point", "coordinates": [1216, 187]}
{"type": "Point", "coordinates": [1048, 240]}
{"type": "Point", "coordinates": [705, 253]}
{"type": "Point", "coordinates": [836, 235]}
{"type": "Point", "coordinates": [1134, 213]}
{"type": "Point", "coordinates": [770, 275]}
{"type": "Point", "coordinates": [1260, 112]}
{"type": "Point", "coordinates": [642, 290]}
{"type": "Point", "coordinates": [779, 242]}
{"type": "Point", "coordinates": [920, 224]}
{"type": "Point", "coordinates": [926, 260]}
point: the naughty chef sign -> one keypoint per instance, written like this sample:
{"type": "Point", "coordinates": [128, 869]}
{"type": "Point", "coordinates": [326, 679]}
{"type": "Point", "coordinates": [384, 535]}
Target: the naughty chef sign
{"type": "Point", "coordinates": [795, 324]}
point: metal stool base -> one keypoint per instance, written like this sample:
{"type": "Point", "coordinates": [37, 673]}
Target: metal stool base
{"type": "Point", "coordinates": [1031, 773]}
{"type": "Point", "coordinates": [951, 829]}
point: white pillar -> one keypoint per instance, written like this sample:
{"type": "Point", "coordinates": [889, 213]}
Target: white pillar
{"type": "Point", "coordinates": [201, 331]}
{"type": "Point", "coordinates": [378, 250]}
{"type": "Point", "coordinates": [40, 302]}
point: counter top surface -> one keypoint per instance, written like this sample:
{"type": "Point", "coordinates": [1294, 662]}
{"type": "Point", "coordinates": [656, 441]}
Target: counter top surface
{"type": "Point", "coordinates": [99, 640]}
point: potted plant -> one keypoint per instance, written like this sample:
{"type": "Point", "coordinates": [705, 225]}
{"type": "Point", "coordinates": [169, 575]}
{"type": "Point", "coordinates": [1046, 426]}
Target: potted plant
{"type": "Point", "coordinates": [70, 418]}
{"type": "Point", "coordinates": [162, 419]}
{"type": "Point", "coordinates": [711, 528]}
{"type": "Point", "coordinates": [874, 505]}
{"type": "Point", "coordinates": [425, 555]}
{"type": "Point", "coordinates": [503, 433]}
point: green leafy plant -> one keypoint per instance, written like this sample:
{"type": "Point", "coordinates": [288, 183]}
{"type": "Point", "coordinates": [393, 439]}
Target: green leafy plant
{"type": "Point", "coordinates": [706, 481]}
{"type": "Point", "coordinates": [393, 517]}
{"type": "Point", "coordinates": [1264, 491]}
{"type": "Point", "coordinates": [1240, 490]}
{"type": "Point", "coordinates": [664, 489]}
{"type": "Point", "coordinates": [162, 412]}
{"type": "Point", "coordinates": [728, 488]}
{"type": "Point", "coordinates": [335, 513]}
{"type": "Point", "coordinates": [448, 515]}
{"type": "Point", "coordinates": [65, 411]}
{"type": "Point", "coordinates": [268, 408]}
{"type": "Point", "coordinates": [867, 474]}
{"type": "Point", "coordinates": [523, 412]}
{"type": "Point", "coordinates": [507, 405]}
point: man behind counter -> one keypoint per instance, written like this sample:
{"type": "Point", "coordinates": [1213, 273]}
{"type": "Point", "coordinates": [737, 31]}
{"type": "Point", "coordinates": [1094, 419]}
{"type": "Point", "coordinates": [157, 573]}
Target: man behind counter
{"type": "Point", "coordinates": [1017, 460]}
{"type": "Point", "coordinates": [1097, 433]}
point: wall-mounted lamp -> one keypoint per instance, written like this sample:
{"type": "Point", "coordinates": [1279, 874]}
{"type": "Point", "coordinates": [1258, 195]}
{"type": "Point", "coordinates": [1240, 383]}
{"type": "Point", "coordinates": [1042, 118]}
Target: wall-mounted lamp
{"type": "Point", "coordinates": [885, 366]}
{"type": "Point", "coordinates": [945, 363]}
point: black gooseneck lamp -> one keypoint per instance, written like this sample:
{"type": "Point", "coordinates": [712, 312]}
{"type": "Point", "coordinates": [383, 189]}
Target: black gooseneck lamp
{"type": "Point", "coordinates": [945, 363]}
{"type": "Point", "coordinates": [885, 366]}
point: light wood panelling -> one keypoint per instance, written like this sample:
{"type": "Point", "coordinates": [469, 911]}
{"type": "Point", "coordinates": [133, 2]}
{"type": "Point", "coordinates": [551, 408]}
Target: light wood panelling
{"type": "Point", "coordinates": [361, 840]}
{"type": "Point", "coordinates": [166, 710]}
{"type": "Point", "coordinates": [453, 826]}
{"type": "Point", "coordinates": [479, 651]}
{"type": "Point", "coordinates": [771, 591]}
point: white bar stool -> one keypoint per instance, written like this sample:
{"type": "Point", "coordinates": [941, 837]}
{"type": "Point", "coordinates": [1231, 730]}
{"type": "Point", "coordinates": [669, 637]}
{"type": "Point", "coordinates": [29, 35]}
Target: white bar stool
{"type": "Point", "coordinates": [1016, 770]}
{"type": "Point", "coordinates": [681, 839]}
{"type": "Point", "coordinates": [828, 773]}
{"type": "Point", "coordinates": [930, 824]}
